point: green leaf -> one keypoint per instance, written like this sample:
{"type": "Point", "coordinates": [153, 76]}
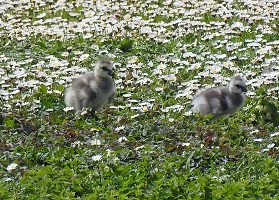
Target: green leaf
{"type": "Point", "coordinates": [126, 44]}
{"type": "Point", "coordinates": [42, 45]}
{"type": "Point", "coordinates": [10, 122]}
{"type": "Point", "coordinates": [42, 89]}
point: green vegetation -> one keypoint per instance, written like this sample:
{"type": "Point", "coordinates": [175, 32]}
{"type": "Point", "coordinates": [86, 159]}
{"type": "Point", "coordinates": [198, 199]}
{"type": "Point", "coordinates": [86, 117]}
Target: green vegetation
{"type": "Point", "coordinates": [147, 144]}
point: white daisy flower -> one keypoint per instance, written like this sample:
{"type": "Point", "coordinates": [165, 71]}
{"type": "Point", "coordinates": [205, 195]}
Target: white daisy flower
{"type": "Point", "coordinates": [97, 157]}
{"type": "Point", "coordinates": [12, 166]}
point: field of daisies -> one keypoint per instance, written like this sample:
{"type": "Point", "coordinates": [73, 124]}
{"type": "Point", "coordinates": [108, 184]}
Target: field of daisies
{"type": "Point", "coordinates": [147, 143]}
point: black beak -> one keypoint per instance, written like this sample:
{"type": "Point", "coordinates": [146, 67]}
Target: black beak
{"type": "Point", "coordinates": [243, 89]}
{"type": "Point", "coordinates": [111, 73]}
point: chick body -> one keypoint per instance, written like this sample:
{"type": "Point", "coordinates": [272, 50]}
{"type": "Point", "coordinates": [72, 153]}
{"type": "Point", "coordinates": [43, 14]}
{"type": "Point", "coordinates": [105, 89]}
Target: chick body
{"type": "Point", "coordinates": [221, 101]}
{"type": "Point", "coordinates": [92, 90]}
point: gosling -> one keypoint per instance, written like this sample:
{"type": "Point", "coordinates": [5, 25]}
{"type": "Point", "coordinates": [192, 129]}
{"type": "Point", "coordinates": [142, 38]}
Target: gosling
{"type": "Point", "coordinates": [221, 101]}
{"type": "Point", "coordinates": [92, 90]}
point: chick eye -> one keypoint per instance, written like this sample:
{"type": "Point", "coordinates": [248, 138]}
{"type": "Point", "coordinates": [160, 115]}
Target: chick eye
{"type": "Point", "coordinates": [105, 69]}
{"type": "Point", "coordinates": [239, 86]}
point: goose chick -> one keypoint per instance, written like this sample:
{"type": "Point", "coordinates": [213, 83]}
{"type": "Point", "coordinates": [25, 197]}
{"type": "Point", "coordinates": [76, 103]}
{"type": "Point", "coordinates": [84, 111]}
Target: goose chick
{"type": "Point", "coordinates": [92, 90]}
{"type": "Point", "coordinates": [221, 101]}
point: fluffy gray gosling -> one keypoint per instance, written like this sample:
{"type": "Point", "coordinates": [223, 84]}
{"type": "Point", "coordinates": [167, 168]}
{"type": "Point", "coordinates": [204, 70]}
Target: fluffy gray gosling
{"type": "Point", "coordinates": [221, 101]}
{"type": "Point", "coordinates": [92, 90]}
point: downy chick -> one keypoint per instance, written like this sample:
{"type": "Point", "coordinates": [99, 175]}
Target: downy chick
{"type": "Point", "coordinates": [92, 90]}
{"type": "Point", "coordinates": [221, 101]}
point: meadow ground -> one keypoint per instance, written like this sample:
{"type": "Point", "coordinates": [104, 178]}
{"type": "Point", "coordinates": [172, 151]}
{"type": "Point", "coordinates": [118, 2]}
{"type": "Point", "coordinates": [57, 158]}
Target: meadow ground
{"type": "Point", "coordinates": [147, 144]}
